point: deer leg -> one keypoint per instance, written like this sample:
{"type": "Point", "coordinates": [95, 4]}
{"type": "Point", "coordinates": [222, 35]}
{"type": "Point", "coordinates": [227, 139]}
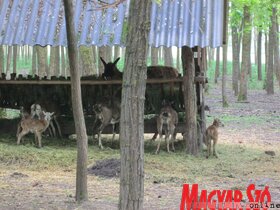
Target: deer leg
{"type": "Point", "coordinates": [166, 131]}
{"type": "Point", "coordinates": [58, 127]}
{"type": "Point", "coordinates": [208, 147]}
{"type": "Point", "coordinates": [173, 137]}
{"type": "Point", "coordinates": [20, 135]}
{"type": "Point", "coordinates": [160, 137]}
{"type": "Point", "coordinates": [214, 148]}
{"type": "Point", "coordinates": [52, 129]}
{"type": "Point", "coordinates": [99, 140]}
{"type": "Point", "coordinates": [18, 129]}
{"type": "Point", "coordinates": [39, 137]}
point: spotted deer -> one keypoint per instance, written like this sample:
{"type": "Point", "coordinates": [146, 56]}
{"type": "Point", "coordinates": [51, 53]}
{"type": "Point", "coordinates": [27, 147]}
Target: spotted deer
{"type": "Point", "coordinates": [36, 126]}
{"type": "Point", "coordinates": [106, 113]}
{"type": "Point", "coordinates": [167, 121]}
{"type": "Point", "coordinates": [212, 134]}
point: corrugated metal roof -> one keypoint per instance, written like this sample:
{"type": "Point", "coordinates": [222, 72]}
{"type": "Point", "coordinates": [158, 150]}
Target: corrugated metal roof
{"type": "Point", "coordinates": [173, 23]}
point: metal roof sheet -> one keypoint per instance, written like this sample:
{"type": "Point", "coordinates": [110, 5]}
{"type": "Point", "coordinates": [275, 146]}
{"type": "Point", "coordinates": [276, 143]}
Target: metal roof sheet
{"type": "Point", "coordinates": [173, 23]}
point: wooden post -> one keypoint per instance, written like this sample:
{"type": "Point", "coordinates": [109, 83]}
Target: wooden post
{"type": "Point", "coordinates": [190, 136]}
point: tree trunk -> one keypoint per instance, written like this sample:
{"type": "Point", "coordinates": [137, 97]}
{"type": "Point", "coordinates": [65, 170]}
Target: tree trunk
{"type": "Point", "coordinates": [132, 107]}
{"type": "Point", "coordinates": [235, 60]}
{"type": "Point", "coordinates": [246, 52]}
{"type": "Point", "coordinates": [269, 72]}
{"type": "Point", "coordinates": [54, 62]}
{"type": "Point", "coordinates": [224, 97]}
{"type": "Point", "coordinates": [1, 60]}
{"type": "Point", "coordinates": [9, 55]}
{"type": "Point", "coordinates": [259, 51]}
{"type": "Point", "coordinates": [42, 61]}
{"type": "Point", "coordinates": [80, 127]}
{"type": "Point", "coordinates": [168, 59]}
{"type": "Point", "coordinates": [276, 45]}
{"type": "Point", "coordinates": [15, 51]}
{"type": "Point", "coordinates": [34, 61]}
{"type": "Point", "coordinates": [190, 136]}
{"type": "Point", "coordinates": [154, 55]}
{"type": "Point", "coordinates": [217, 69]}
{"type": "Point", "coordinates": [87, 59]}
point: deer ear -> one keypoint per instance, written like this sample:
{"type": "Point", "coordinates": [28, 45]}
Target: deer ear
{"type": "Point", "coordinates": [104, 63]}
{"type": "Point", "coordinates": [116, 61]}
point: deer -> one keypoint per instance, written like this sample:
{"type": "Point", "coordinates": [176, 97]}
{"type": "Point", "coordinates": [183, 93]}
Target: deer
{"type": "Point", "coordinates": [167, 120]}
{"type": "Point", "coordinates": [212, 134]}
{"type": "Point", "coordinates": [153, 72]}
{"type": "Point", "coordinates": [36, 112]}
{"type": "Point", "coordinates": [110, 70]}
{"type": "Point", "coordinates": [106, 114]}
{"type": "Point", "coordinates": [36, 126]}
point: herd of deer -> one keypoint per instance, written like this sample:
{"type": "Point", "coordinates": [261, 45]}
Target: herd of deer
{"type": "Point", "coordinates": [108, 112]}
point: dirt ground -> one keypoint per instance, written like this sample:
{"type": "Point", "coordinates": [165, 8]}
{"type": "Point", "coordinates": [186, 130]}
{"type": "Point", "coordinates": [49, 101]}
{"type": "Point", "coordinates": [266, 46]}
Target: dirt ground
{"type": "Point", "coordinates": [27, 190]}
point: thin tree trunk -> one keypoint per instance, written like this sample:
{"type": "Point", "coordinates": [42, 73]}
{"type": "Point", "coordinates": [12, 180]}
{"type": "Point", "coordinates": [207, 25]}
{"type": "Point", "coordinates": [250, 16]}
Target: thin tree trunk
{"type": "Point", "coordinates": [8, 64]}
{"type": "Point", "coordinates": [217, 69]}
{"type": "Point", "coordinates": [259, 51]}
{"type": "Point", "coordinates": [80, 127]}
{"type": "Point", "coordinates": [246, 52]}
{"type": "Point", "coordinates": [190, 135]}
{"type": "Point", "coordinates": [132, 108]}
{"type": "Point", "coordinates": [269, 72]}
{"type": "Point", "coordinates": [15, 52]}
{"type": "Point", "coordinates": [34, 61]}
{"type": "Point", "coordinates": [168, 59]}
{"type": "Point", "coordinates": [276, 45]}
{"type": "Point", "coordinates": [235, 60]}
{"type": "Point", "coordinates": [1, 60]}
{"type": "Point", "coordinates": [224, 97]}
{"type": "Point", "coordinates": [154, 55]}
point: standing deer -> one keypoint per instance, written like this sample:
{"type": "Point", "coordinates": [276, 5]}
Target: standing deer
{"type": "Point", "coordinates": [212, 134]}
{"type": "Point", "coordinates": [167, 120]}
{"type": "Point", "coordinates": [105, 114]}
{"type": "Point", "coordinates": [36, 126]}
{"type": "Point", "coordinates": [36, 112]}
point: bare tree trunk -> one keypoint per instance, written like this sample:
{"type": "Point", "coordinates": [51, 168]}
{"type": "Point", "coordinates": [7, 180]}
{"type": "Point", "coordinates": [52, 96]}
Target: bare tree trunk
{"type": "Point", "coordinates": [1, 60]}
{"type": "Point", "coordinates": [259, 51]}
{"type": "Point", "coordinates": [217, 69]}
{"type": "Point", "coordinates": [42, 61]}
{"type": "Point", "coordinates": [8, 64]}
{"type": "Point", "coordinates": [168, 59]}
{"type": "Point", "coordinates": [80, 127]}
{"type": "Point", "coordinates": [86, 56]}
{"type": "Point", "coordinates": [34, 60]}
{"type": "Point", "coordinates": [63, 62]}
{"type": "Point", "coordinates": [246, 52]}
{"type": "Point", "coordinates": [132, 108]}
{"type": "Point", "coordinates": [269, 72]}
{"type": "Point", "coordinates": [276, 45]}
{"type": "Point", "coordinates": [190, 136]}
{"type": "Point", "coordinates": [54, 62]}
{"type": "Point", "coordinates": [225, 102]}
{"type": "Point", "coordinates": [15, 51]}
{"type": "Point", "coordinates": [235, 60]}
{"type": "Point", "coordinates": [154, 55]}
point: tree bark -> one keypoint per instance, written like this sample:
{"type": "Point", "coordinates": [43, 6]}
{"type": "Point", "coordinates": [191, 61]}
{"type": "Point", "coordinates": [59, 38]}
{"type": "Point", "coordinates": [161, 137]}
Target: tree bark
{"type": "Point", "coordinates": [132, 107]}
{"type": "Point", "coordinates": [235, 60]}
{"type": "Point", "coordinates": [259, 51]}
{"type": "Point", "coordinates": [15, 51]}
{"type": "Point", "coordinates": [168, 59]}
{"type": "Point", "coordinates": [154, 56]}
{"type": "Point", "coordinates": [225, 47]}
{"type": "Point", "coordinates": [270, 69]}
{"type": "Point", "coordinates": [217, 69]}
{"type": "Point", "coordinates": [190, 136]}
{"type": "Point", "coordinates": [80, 127]}
{"type": "Point", "coordinates": [1, 60]}
{"type": "Point", "coordinates": [276, 45]}
{"type": "Point", "coordinates": [246, 52]}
